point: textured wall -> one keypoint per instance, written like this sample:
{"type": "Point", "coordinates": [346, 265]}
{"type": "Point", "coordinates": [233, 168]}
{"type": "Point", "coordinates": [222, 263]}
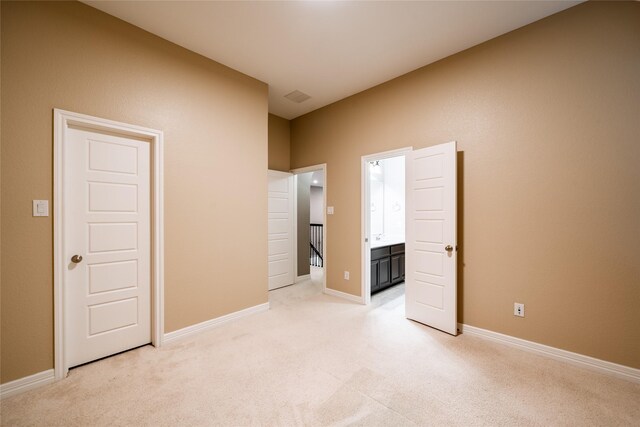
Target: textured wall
{"type": "Point", "coordinates": [70, 56]}
{"type": "Point", "coordinates": [546, 119]}
{"type": "Point", "coordinates": [279, 143]}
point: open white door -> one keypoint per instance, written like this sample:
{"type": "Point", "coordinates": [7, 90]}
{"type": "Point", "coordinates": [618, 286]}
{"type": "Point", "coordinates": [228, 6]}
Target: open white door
{"type": "Point", "coordinates": [431, 258]}
{"type": "Point", "coordinates": [280, 229]}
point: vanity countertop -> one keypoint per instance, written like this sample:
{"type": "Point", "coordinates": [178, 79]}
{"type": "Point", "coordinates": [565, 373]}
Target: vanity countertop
{"type": "Point", "coordinates": [385, 242]}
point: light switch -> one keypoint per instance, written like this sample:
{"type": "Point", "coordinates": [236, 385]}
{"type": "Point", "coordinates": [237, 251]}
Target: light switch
{"type": "Point", "coordinates": [330, 210]}
{"type": "Point", "coordinates": [40, 208]}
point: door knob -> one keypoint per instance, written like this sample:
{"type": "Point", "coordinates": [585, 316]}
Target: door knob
{"type": "Point", "coordinates": [448, 248]}
{"type": "Point", "coordinates": [76, 259]}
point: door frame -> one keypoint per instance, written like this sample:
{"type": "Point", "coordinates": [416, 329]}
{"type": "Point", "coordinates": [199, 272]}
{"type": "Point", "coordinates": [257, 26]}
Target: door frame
{"type": "Point", "coordinates": [365, 286]}
{"type": "Point", "coordinates": [61, 121]}
{"type": "Point", "coordinates": [319, 167]}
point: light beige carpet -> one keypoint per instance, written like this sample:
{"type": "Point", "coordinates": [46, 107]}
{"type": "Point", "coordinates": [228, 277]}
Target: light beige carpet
{"type": "Point", "coordinates": [318, 360]}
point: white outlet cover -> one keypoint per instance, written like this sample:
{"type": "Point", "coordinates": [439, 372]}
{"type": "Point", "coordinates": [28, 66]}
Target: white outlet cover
{"type": "Point", "coordinates": [346, 275]}
{"type": "Point", "coordinates": [518, 309]}
{"type": "Point", "coordinates": [330, 210]}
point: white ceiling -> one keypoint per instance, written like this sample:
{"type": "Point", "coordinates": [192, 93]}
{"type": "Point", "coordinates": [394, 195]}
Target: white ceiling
{"type": "Point", "coordinates": [327, 49]}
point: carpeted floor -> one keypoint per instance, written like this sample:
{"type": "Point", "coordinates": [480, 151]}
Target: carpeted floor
{"type": "Point", "coordinates": [317, 360]}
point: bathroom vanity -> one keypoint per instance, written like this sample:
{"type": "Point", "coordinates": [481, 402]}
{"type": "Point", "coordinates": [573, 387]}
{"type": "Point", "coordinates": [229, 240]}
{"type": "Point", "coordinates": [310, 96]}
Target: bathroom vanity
{"type": "Point", "coordinates": [386, 221]}
{"type": "Point", "coordinates": [387, 266]}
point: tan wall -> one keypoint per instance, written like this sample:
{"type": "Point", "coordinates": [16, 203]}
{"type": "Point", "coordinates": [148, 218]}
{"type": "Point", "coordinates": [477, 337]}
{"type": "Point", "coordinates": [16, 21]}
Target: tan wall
{"type": "Point", "coordinates": [71, 56]}
{"type": "Point", "coordinates": [279, 143]}
{"type": "Point", "coordinates": [546, 119]}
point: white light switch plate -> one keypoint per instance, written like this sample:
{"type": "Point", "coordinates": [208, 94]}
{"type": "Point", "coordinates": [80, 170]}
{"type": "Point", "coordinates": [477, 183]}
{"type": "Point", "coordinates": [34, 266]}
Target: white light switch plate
{"type": "Point", "coordinates": [330, 210]}
{"type": "Point", "coordinates": [40, 208]}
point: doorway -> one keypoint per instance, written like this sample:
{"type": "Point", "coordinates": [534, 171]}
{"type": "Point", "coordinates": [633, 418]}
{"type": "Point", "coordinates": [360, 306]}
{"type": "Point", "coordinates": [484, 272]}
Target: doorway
{"type": "Point", "coordinates": [310, 193]}
{"type": "Point", "coordinates": [425, 257]}
{"type": "Point", "coordinates": [383, 220]}
{"type": "Point", "coordinates": [108, 238]}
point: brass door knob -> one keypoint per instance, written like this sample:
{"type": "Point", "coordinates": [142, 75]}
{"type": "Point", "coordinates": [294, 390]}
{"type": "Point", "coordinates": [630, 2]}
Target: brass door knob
{"type": "Point", "coordinates": [76, 259]}
{"type": "Point", "coordinates": [448, 248]}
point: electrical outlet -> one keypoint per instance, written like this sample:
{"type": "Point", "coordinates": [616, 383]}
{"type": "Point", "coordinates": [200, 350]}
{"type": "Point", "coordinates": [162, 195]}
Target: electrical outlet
{"type": "Point", "coordinates": [518, 309]}
{"type": "Point", "coordinates": [346, 275]}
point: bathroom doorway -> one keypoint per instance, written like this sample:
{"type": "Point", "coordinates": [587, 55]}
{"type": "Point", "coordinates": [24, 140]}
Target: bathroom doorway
{"type": "Point", "coordinates": [383, 223]}
{"type": "Point", "coordinates": [429, 245]}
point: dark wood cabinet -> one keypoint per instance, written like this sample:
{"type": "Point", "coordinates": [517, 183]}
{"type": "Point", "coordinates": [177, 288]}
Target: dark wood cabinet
{"type": "Point", "coordinates": [387, 266]}
{"type": "Point", "coordinates": [375, 282]}
{"type": "Point", "coordinates": [385, 272]}
{"type": "Point", "coordinates": [395, 267]}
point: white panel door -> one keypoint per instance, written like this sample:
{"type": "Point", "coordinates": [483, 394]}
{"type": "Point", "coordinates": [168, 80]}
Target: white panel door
{"type": "Point", "coordinates": [107, 222]}
{"type": "Point", "coordinates": [280, 229]}
{"type": "Point", "coordinates": [430, 270]}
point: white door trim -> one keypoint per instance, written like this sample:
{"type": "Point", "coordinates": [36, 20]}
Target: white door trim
{"type": "Point", "coordinates": [365, 226]}
{"type": "Point", "coordinates": [62, 120]}
{"type": "Point", "coordinates": [320, 167]}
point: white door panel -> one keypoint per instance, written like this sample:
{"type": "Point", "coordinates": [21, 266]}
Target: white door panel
{"type": "Point", "coordinates": [107, 222]}
{"type": "Point", "coordinates": [280, 229]}
{"type": "Point", "coordinates": [113, 236]}
{"type": "Point", "coordinates": [430, 271]}
{"type": "Point", "coordinates": [111, 276]}
{"type": "Point", "coordinates": [278, 205]}
{"type": "Point", "coordinates": [280, 267]}
{"type": "Point", "coordinates": [110, 197]}
{"type": "Point", "coordinates": [110, 156]}
{"type": "Point", "coordinates": [112, 315]}
{"type": "Point", "coordinates": [279, 247]}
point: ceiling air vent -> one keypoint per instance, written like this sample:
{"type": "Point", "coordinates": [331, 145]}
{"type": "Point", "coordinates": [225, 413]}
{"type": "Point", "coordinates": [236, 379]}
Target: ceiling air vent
{"type": "Point", "coordinates": [297, 96]}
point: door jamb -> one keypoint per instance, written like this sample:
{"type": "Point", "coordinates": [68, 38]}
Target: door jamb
{"type": "Point", "coordinates": [295, 172]}
{"type": "Point", "coordinates": [62, 120]}
{"type": "Point", "coordinates": [365, 286]}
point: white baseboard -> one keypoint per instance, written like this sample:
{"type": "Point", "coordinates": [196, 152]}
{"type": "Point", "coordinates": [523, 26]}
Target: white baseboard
{"type": "Point", "coordinates": [212, 323]}
{"type": "Point", "coordinates": [343, 295]}
{"type": "Point", "coordinates": [577, 359]}
{"type": "Point", "coordinates": [303, 278]}
{"type": "Point", "coordinates": [26, 383]}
